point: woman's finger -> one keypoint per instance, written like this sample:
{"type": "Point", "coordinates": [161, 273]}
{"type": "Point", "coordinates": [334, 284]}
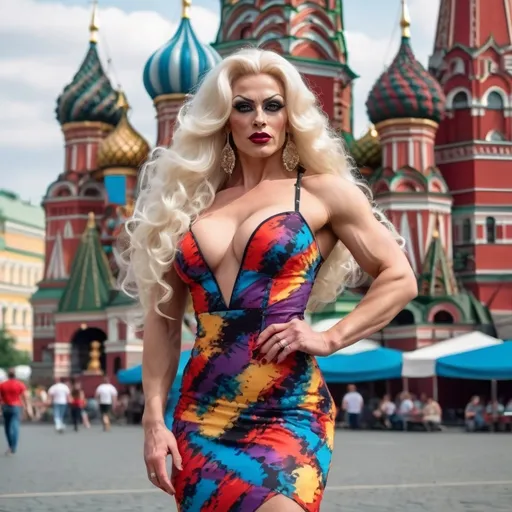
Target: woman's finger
{"type": "Point", "coordinates": [176, 456]}
{"type": "Point", "coordinates": [270, 331]}
{"type": "Point", "coordinates": [292, 347]}
{"type": "Point", "coordinates": [274, 347]}
{"type": "Point", "coordinates": [160, 477]}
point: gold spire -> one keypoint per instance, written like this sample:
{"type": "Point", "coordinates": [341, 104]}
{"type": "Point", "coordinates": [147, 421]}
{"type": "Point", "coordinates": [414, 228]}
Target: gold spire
{"type": "Point", "coordinates": [405, 21]}
{"type": "Point", "coordinates": [122, 102]}
{"type": "Point", "coordinates": [93, 27]}
{"type": "Point", "coordinates": [186, 4]}
{"type": "Point", "coordinates": [91, 222]}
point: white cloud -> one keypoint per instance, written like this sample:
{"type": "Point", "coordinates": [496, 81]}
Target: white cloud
{"type": "Point", "coordinates": [46, 43]}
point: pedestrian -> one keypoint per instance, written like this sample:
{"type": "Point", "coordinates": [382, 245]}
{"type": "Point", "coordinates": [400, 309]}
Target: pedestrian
{"type": "Point", "coordinates": [13, 397]}
{"type": "Point", "coordinates": [78, 401]}
{"type": "Point", "coordinates": [106, 394]}
{"type": "Point", "coordinates": [353, 404]}
{"type": "Point", "coordinates": [59, 395]}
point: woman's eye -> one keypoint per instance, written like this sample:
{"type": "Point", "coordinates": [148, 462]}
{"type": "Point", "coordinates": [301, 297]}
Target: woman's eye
{"type": "Point", "coordinates": [243, 107]}
{"type": "Point", "coordinates": [274, 106]}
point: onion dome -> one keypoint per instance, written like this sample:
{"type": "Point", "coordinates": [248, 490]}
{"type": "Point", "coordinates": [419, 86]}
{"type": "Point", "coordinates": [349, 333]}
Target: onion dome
{"type": "Point", "coordinates": [124, 146]}
{"type": "Point", "coordinates": [90, 95]}
{"type": "Point", "coordinates": [406, 88]}
{"type": "Point", "coordinates": [367, 151]}
{"type": "Point", "coordinates": [178, 66]}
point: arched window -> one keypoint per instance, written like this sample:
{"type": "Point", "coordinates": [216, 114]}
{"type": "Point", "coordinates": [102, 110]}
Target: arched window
{"type": "Point", "coordinates": [460, 100]}
{"type": "Point", "coordinates": [466, 230]}
{"type": "Point", "coordinates": [494, 136]}
{"type": "Point", "coordinates": [405, 317]}
{"type": "Point", "coordinates": [458, 67]}
{"type": "Point", "coordinates": [495, 101]}
{"type": "Point", "coordinates": [443, 317]}
{"type": "Point", "coordinates": [490, 230]}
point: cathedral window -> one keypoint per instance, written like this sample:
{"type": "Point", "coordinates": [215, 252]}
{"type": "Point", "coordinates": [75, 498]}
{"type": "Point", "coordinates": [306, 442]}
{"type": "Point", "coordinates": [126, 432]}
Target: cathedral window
{"type": "Point", "coordinates": [495, 101]}
{"type": "Point", "coordinates": [458, 67]}
{"type": "Point", "coordinates": [490, 230]}
{"type": "Point", "coordinates": [466, 230]}
{"type": "Point", "coordinates": [494, 136]}
{"type": "Point", "coordinates": [460, 100]}
{"type": "Point", "coordinates": [443, 317]}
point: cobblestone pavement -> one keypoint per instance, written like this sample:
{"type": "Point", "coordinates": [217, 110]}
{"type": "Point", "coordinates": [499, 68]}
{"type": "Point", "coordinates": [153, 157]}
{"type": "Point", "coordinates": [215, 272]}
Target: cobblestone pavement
{"type": "Point", "coordinates": [94, 471]}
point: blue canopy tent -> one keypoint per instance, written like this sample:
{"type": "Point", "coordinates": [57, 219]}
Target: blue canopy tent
{"type": "Point", "coordinates": [365, 361]}
{"type": "Point", "coordinates": [134, 375]}
{"type": "Point", "coordinates": [489, 363]}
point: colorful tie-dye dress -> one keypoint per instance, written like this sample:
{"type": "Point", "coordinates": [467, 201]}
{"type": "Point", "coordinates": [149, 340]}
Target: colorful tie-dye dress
{"type": "Point", "coordinates": [249, 430]}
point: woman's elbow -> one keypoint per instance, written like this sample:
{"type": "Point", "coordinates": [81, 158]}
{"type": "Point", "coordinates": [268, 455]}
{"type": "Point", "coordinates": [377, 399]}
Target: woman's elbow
{"type": "Point", "coordinates": [408, 285]}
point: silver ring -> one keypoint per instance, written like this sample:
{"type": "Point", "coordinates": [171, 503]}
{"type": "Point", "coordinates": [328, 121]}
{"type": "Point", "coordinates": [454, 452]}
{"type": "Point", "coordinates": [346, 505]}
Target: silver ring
{"type": "Point", "coordinates": [283, 344]}
{"type": "Point", "coordinates": [152, 475]}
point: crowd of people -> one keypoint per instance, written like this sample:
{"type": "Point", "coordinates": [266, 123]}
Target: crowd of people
{"type": "Point", "coordinates": [65, 398]}
{"type": "Point", "coordinates": [389, 414]}
{"type": "Point", "coordinates": [495, 415]}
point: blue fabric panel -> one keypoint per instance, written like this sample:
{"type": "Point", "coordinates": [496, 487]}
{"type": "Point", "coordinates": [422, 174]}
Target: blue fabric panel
{"type": "Point", "coordinates": [489, 363]}
{"type": "Point", "coordinates": [116, 189]}
{"type": "Point", "coordinates": [379, 364]}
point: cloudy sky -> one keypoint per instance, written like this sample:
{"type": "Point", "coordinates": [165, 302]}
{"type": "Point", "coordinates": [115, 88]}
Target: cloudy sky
{"type": "Point", "coordinates": [44, 41]}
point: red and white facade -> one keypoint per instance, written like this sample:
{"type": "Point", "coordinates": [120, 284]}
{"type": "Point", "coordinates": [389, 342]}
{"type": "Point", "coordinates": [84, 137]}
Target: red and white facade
{"type": "Point", "coordinates": [472, 59]}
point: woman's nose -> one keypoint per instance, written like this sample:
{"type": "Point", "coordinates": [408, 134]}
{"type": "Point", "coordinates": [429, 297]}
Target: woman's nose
{"type": "Point", "coordinates": [259, 119]}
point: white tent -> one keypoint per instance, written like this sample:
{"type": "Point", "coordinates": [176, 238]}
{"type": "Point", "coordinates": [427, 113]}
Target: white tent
{"type": "Point", "coordinates": [422, 362]}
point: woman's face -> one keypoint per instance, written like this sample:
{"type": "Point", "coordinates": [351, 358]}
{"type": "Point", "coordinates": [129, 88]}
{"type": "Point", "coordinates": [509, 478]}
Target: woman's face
{"type": "Point", "coordinates": [258, 119]}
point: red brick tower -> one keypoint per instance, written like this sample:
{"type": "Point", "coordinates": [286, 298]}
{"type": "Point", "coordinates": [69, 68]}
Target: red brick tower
{"type": "Point", "coordinates": [308, 34]}
{"type": "Point", "coordinates": [472, 59]}
{"type": "Point", "coordinates": [87, 110]}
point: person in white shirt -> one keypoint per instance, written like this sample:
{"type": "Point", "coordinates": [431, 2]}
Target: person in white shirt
{"type": "Point", "coordinates": [353, 404]}
{"type": "Point", "coordinates": [106, 394]}
{"type": "Point", "coordinates": [59, 395]}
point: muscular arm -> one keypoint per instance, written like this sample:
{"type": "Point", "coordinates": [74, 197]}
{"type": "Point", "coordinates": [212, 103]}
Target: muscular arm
{"type": "Point", "coordinates": [162, 347]}
{"type": "Point", "coordinates": [378, 254]}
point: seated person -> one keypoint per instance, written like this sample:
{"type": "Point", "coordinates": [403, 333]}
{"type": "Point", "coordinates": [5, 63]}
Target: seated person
{"type": "Point", "coordinates": [432, 414]}
{"type": "Point", "coordinates": [385, 413]}
{"type": "Point", "coordinates": [474, 415]}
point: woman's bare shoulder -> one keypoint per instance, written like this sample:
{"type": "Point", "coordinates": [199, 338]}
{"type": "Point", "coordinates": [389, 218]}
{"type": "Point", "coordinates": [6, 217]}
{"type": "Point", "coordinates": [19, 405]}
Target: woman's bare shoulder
{"type": "Point", "coordinates": [333, 190]}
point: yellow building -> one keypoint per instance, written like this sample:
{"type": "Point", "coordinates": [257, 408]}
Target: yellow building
{"type": "Point", "coordinates": [22, 231]}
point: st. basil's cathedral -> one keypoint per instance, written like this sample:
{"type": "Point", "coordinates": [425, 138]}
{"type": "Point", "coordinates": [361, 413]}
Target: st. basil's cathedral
{"type": "Point", "coordinates": [438, 156]}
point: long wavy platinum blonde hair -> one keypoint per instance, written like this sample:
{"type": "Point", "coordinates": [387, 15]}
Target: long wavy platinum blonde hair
{"type": "Point", "coordinates": [179, 182]}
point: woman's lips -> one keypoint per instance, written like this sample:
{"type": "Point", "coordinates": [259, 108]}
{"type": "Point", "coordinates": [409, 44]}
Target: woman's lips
{"type": "Point", "coordinates": [260, 138]}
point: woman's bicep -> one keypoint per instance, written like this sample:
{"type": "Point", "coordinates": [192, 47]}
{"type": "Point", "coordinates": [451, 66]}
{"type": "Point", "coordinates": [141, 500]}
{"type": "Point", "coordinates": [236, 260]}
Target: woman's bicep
{"type": "Point", "coordinates": [369, 241]}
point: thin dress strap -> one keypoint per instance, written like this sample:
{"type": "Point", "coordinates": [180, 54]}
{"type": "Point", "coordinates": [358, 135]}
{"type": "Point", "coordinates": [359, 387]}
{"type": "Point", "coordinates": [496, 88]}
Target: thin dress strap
{"type": "Point", "coordinates": [300, 172]}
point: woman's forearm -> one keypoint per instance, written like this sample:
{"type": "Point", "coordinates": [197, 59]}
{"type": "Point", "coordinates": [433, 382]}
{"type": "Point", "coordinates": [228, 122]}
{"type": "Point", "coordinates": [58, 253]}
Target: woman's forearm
{"type": "Point", "coordinates": [160, 360]}
{"type": "Point", "coordinates": [386, 297]}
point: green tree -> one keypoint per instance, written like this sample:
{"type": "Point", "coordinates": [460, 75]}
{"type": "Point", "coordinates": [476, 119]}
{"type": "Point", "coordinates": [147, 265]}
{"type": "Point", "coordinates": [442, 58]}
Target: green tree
{"type": "Point", "coordinates": [9, 355]}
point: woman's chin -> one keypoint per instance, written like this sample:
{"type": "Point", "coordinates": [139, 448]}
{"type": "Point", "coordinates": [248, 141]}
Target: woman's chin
{"type": "Point", "coordinates": [263, 151]}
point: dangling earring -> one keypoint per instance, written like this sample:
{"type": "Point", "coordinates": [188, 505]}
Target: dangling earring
{"type": "Point", "coordinates": [290, 155]}
{"type": "Point", "coordinates": [227, 158]}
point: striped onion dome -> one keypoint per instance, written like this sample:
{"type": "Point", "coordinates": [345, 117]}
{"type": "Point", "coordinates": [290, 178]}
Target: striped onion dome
{"type": "Point", "coordinates": [90, 95]}
{"type": "Point", "coordinates": [178, 66]}
{"type": "Point", "coordinates": [406, 88]}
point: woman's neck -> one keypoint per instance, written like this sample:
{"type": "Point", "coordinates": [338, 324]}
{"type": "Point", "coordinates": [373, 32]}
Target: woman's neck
{"type": "Point", "coordinates": [251, 171]}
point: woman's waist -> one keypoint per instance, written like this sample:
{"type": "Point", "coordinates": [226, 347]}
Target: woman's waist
{"type": "Point", "coordinates": [232, 323]}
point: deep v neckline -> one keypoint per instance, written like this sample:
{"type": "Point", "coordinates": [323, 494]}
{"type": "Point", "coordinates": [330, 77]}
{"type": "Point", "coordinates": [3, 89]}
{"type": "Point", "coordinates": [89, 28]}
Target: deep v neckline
{"type": "Point", "coordinates": [227, 303]}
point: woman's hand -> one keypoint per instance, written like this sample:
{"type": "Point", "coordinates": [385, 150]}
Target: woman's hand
{"type": "Point", "coordinates": [280, 340]}
{"type": "Point", "coordinates": [159, 442]}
